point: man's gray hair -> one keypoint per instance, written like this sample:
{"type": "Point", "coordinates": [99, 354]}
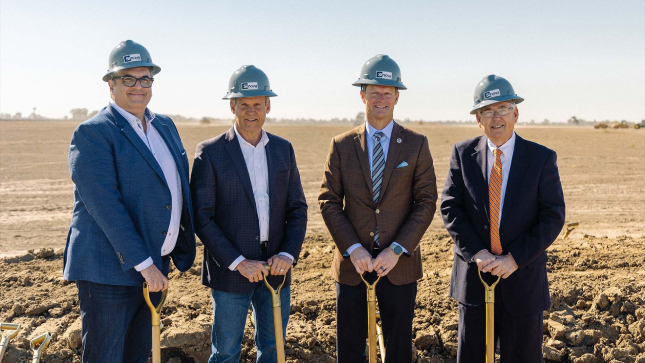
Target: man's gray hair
{"type": "Point", "coordinates": [266, 100]}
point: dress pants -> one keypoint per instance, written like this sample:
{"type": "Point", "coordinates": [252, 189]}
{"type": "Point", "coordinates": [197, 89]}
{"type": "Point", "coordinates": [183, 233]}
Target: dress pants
{"type": "Point", "coordinates": [396, 306]}
{"type": "Point", "coordinates": [116, 323]}
{"type": "Point", "coordinates": [519, 337]}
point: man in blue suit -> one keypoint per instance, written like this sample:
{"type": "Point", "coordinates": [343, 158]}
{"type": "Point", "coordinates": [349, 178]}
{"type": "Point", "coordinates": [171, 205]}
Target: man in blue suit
{"type": "Point", "coordinates": [250, 209]}
{"type": "Point", "coordinates": [503, 206]}
{"type": "Point", "coordinates": [132, 211]}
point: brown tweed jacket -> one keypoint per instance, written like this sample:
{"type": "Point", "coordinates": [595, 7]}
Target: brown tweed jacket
{"type": "Point", "coordinates": [406, 206]}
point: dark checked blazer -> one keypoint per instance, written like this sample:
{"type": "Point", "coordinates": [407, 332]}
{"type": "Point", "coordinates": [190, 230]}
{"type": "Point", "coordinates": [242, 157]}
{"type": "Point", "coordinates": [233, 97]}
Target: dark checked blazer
{"type": "Point", "coordinates": [532, 218]}
{"type": "Point", "coordinates": [226, 219]}
{"type": "Point", "coordinates": [406, 207]}
{"type": "Point", "coordinates": [121, 202]}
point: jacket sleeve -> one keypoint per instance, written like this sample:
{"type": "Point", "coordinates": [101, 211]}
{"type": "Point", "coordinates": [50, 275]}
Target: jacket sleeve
{"type": "Point", "coordinates": [203, 188]}
{"type": "Point", "coordinates": [425, 201]}
{"type": "Point", "coordinates": [296, 212]}
{"type": "Point", "coordinates": [331, 200]}
{"type": "Point", "coordinates": [454, 214]}
{"type": "Point", "coordinates": [91, 166]}
{"type": "Point", "coordinates": [550, 221]}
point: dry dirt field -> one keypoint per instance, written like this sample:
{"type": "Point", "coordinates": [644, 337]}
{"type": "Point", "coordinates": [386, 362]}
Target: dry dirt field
{"type": "Point", "coordinates": [597, 275]}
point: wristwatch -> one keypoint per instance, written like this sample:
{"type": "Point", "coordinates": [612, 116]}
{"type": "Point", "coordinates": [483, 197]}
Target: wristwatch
{"type": "Point", "coordinates": [397, 249]}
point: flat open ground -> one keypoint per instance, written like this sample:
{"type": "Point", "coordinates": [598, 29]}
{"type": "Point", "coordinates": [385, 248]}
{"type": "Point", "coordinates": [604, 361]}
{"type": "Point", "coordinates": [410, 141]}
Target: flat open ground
{"type": "Point", "coordinates": [603, 175]}
{"type": "Point", "coordinates": [597, 276]}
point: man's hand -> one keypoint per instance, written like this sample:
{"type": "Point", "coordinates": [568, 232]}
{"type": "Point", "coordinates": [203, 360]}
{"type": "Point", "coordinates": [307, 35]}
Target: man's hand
{"type": "Point", "coordinates": [362, 260]}
{"type": "Point", "coordinates": [252, 270]}
{"type": "Point", "coordinates": [385, 261]}
{"type": "Point", "coordinates": [155, 279]}
{"type": "Point", "coordinates": [483, 258]}
{"type": "Point", "coordinates": [279, 264]}
{"type": "Point", "coordinates": [503, 266]}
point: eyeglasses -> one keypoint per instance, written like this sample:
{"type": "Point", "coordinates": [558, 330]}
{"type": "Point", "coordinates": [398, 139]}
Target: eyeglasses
{"type": "Point", "coordinates": [502, 111]}
{"type": "Point", "coordinates": [129, 81]}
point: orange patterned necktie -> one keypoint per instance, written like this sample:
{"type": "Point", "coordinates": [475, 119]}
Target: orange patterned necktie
{"type": "Point", "coordinates": [494, 197]}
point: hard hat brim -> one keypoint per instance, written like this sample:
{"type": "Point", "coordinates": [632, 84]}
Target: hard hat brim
{"type": "Point", "coordinates": [245, 94]}
{"type": "Point", "coordinates": [155, 69]}
{"type": "Point", "coordinates": [380, 82]}
{"type": "Point", "coordinates": [517, 99]}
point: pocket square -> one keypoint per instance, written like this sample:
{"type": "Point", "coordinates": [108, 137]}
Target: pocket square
{"type": "Point", "coordinates": [402, 165]}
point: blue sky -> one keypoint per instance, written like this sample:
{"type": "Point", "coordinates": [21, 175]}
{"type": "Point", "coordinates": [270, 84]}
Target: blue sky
{"type": "Point", "coordinates": [583, 58]}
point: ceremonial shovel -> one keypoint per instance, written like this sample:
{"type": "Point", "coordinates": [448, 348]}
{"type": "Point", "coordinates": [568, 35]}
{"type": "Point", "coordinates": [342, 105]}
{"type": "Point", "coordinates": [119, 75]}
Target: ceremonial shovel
{"type": "Point", "coordinates": [39, 344]}
{"type": "Point", "coordinates": [489, 298]}
{"type": "Point", "coordinates": [371, 318]}
{"type": "Point", "coordinates": [4, 343]}
{"type": "Point", "coordinates": [156, 322]}
{"type": "Point", "coordinates": [277, 316]}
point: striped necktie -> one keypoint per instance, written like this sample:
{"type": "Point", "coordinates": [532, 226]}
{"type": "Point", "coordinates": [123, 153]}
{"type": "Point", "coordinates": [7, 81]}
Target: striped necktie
{"type": "Point", "coordinates": [378, 166]}
{"type": "Point", "coordinates": [494, 198]}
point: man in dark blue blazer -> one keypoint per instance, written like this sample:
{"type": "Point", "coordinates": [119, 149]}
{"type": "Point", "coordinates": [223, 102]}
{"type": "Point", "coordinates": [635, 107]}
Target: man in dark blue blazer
{"type": "Point", "coordinates": [132, 211]}
{"type": "Point", "coordinates": [250, 209]}
{"type": "Point", "coordinates": [503, 206]}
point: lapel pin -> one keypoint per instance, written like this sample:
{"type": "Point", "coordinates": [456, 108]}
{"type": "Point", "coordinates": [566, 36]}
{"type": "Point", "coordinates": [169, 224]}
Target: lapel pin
{"type": "Point", "coordinates": [399, 140]}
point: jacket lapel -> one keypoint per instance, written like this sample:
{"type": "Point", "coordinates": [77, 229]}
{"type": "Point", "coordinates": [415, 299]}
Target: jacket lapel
{"type": "Point", "coordinates": [392, 155]}
{"type": "Point", "coordinates": [163, 130]}
{"type": "Point", "coordinates": [235, 153]}
{"type": "Point", "coordinates": [480, 158]}
{"type": "Point", "coordinates": [518, 168]}
{"type": "Point", "coordinates": [360, 141]}
{"type": "Point", "coordinates": [270, 155]}
{"type": "Point", "coordinates": [129, 132]}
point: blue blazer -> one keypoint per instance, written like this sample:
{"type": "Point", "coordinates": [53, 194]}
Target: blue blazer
{"type": "Point", "coordinates": [532, 218]}
{"type": "Point", "coordinates": [120, 202]}
{"type": "Point", "coordinates": [226, 220]}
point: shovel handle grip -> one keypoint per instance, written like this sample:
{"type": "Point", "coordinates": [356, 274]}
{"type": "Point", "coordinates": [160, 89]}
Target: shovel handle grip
{"type": "Point", "coordinates": [39, 344]}
{"type": "Point", "coordinates": [154, 310]}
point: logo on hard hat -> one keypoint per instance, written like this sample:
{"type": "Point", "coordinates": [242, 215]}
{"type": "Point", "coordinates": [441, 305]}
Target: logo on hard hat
{"type": "Point", "coordinates": [132, 58]}
{"type": "Point", "coordinates": [383, 74]}
{"type": "Point", "coordinates": [492, 93]}
{"type": "Point", "coordinates": [249, 85]}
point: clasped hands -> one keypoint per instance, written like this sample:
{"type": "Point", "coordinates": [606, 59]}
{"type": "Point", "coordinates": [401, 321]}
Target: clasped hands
{"type": "Point", "coordinates": [383, 264]}
{"type": "Point", "coordinates": [503, 265]}
{"type": "Point", "coordinates": [255, 270]}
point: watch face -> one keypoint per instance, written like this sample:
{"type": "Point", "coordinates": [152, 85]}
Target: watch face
{"type": "Point", "coordinates": [397, 249]}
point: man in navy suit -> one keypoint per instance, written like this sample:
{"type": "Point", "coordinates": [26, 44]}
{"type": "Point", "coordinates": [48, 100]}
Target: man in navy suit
{"type": "Point", "coordinates": [503, 206]}
{"type": "Point", "coordinates": [132, 211]}
{"type": "Point", "coordinates": [250, 209]}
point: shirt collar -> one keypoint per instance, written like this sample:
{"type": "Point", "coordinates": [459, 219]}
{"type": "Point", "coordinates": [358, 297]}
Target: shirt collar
{"type": "Point", "coordinates": [507, 148]}
{"type": "Point", "coordinates": [387, 130]}
{"type": "Point", "coordinates": [132, 119]}
{"type": "Point", "coordinates": [263, 140]}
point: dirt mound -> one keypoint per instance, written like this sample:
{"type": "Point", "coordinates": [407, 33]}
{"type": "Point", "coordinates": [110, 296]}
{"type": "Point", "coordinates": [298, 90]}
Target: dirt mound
{"type": "Point", "coordinates": [597, 315]}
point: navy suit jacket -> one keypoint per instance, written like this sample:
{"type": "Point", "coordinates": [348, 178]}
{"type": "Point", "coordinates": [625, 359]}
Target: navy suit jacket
{"type": "Point", "coordinates": [532, 218]}
{"type": "Point", "coordinates": [120, 202]}
{"type": "Point", "coordinates": [226, 219]}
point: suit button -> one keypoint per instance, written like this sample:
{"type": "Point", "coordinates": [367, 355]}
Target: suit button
{"type": "Point", "coordinates": [257, 238]}
{"type": "Point", "coordinates": [121, 258]}
{"type": "Point", "coordinates": [378, 211]}
{"type": "Point", "coordinates": [165, 233]}
{"type": "Point", "coordinates": [372, 234]}
{"type": "Point", "coordinates": [485, 226]}
{"type": "Point", "coordinates": [168, 207]}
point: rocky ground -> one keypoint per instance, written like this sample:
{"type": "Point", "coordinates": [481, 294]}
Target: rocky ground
{"type": "Point", "coordinates": [597, 315]}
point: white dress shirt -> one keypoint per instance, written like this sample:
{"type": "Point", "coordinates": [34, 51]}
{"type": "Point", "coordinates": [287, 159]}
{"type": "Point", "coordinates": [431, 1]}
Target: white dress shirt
{"type": "Point", "coordinates": [162, 154]}
{"type": "Point", "coordinates": [506, 159]}
{"type": "Point", "coordinates": [256, 164]}
{"type": "Point", "coordinates": [385, 145]}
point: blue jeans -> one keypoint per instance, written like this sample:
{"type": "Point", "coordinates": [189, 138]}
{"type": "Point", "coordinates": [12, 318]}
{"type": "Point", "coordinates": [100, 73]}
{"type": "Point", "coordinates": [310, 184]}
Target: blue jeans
{"type": "Point", "coordinates": [229, 317]}
{"type": "Point", "coordinates": [116, 323]}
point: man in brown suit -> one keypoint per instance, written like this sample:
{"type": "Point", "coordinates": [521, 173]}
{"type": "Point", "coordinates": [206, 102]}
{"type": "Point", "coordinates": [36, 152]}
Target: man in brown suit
{"type": "Point", "coordinates": [378, 197]}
